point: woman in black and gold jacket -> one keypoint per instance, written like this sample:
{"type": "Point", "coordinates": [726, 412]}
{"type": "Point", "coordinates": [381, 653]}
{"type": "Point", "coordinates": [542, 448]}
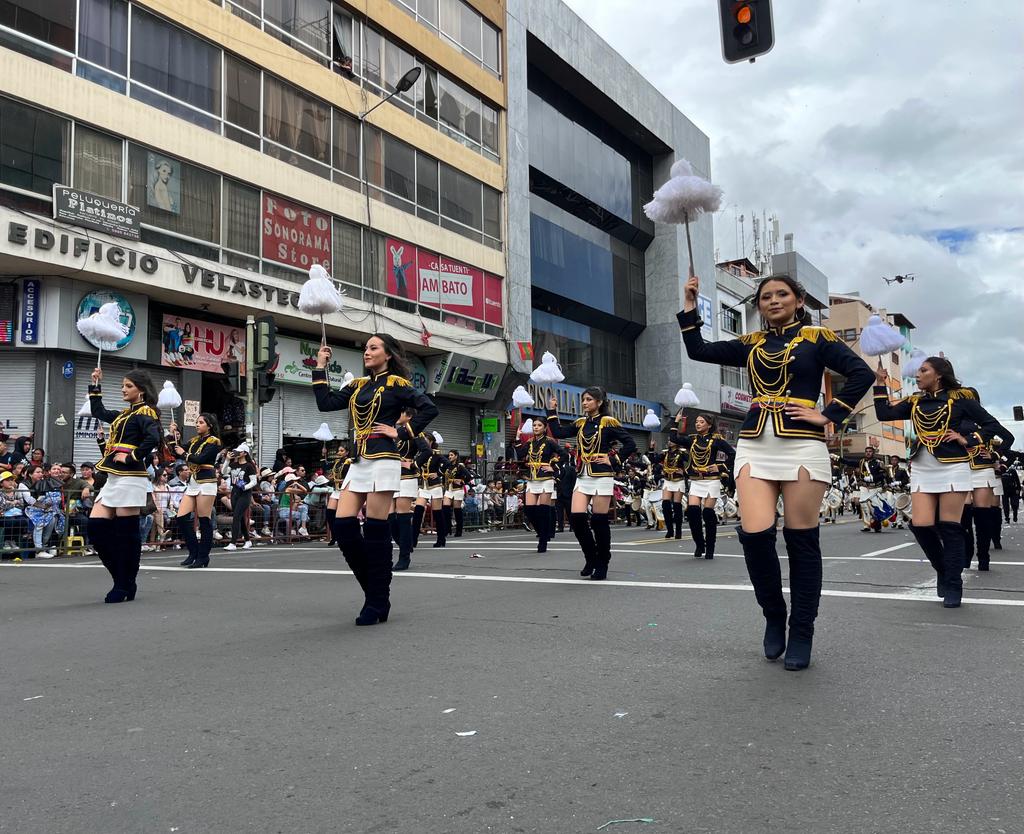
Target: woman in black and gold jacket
{"type": "Point", "coordinates": [200, 491]}
{"type": "Point", "coordinates": [596, 435]}
{"type": "Point", "coordinates": [539, 454]}
{"type": "Point", "coordinates": [949, 422]}
{"type": "Point", "coordinates": [432, 467]}
{"type": "Point", "coordinates": [782, 448]}
{"type": "Point", "coordinates": [401, 518]}
{"type": "Point", "coordinates": [375, 403]}
{"type": "Point", "coordinates": [705, 475]}
{"type": "Point", "coordinates": [114, 519]}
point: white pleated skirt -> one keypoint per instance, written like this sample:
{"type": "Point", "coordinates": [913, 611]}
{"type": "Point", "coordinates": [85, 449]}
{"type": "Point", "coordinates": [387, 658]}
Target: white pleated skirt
{"type": "Point", "coordinates": [541, 487]}
{"type": "Point", "coordinates": [706, 488]}
{"type": "Point", "coordinates": [589, 485]}
{"type": "Point", "coordinates": [408, 488]}
{"type": "Point", "coordinates": [773, 458]}
{"type": "Point", "coordinates": [367, 475]}
{"type": "Point", "coordinates": [928, 474]}
{"type": "Point", "coordinates": [125, 491]}
{"type": "Point", "coordinates": [194, 488]}
{"type": "Point", "coordinates": [981, 478]}
{"type": "Point", "coordinates": [674, 486]}
{"type": "Point", "coordinates": [431, 493]}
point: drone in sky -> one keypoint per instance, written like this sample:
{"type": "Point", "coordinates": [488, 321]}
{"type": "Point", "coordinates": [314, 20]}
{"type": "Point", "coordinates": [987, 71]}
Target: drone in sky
{"type": "Point", "coordinates": [899, 279]}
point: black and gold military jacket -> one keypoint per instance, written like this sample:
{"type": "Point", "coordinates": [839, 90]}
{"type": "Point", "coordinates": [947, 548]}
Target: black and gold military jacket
{"type": "Point", "coordinates": [595, 436]}
{"type": "Point", "coordinates": [785, 365]}
{"type": "Point", "coordinates": [456, 475]}
{"type": "Point", "coordinates": [433, 466]}
{"type": "Point", "coordinates": [985, 455]}
{"type": "Point", "coordinates": [408, 449]}
{"type": "Point", "coordinates": [380, 398]}
{"type": "Point", "coordinates": [201, 457]}
{"type": "Point", "coordinates": [538, 454]}
{"type": "Point", "coordinates": [674, 460]}
{"type": "Point", "coordinates": [703, 451]}
{"type": "Point", "coordinates": [134, 431]}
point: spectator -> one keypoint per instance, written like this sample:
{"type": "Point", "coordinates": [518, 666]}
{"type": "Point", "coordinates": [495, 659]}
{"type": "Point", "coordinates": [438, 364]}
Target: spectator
{"type": "Point", "coordinates": [44, 511]}
{"type": "Point", "coordinates": [262, 510]}
{"type": "Point", "coordinates": [22, 450]}
{"type": "Point", "coordinates": [292, 505]}
{"type": "Point", "coordinates": [161, 498]}
{"type": "Point", "coordinates": [243, 479]}
{"type": "Point", "coordinates": [37, 457]}
{"type": "Point", "coordinates": [14, 530]}
{"type": "Point", "coordinates": [76, 492]}
{"type": "Point", "coordinates": [7, 460]}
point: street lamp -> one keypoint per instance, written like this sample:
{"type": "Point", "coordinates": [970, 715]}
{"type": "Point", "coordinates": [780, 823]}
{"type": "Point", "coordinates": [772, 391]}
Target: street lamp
{"type": "Point", "coordinates": [403, 86]}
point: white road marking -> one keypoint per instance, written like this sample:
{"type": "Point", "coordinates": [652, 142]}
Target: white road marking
{"type": "Point", "coordinates": [538, 580]}
{"type": "Point", "coordinates": [884, 550]}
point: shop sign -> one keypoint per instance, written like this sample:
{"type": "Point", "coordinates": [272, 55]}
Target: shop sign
{"type": "Point", "coordinates": [91, 303]}
{"type": "Point", "coordinates": [93, 211]}
{"type": "Point", "coordinates": [706, 311]}
{"type": "Point", "coordinates": [627, 410]}
{"type": "Point", "coordinates": [298, 359]}
{"type": "Point", "coordinates": [191, 413]}
{"type": "Point", "coordinates": [435, 281]}
{"type": "Point", "coordinates": [735, 400]}
{"type": "Point", "coordinates": [30, 291]}
{"type": "Point", "coordinates": [295, 235]}
{"type": "Point", "coordinates": [81, 247]}
{"type": "Point", "coordinates": [200, 345]}
{"type": "Point", "coordinates": [462, 376]}
{"type": "Point", "coordinates": [236, 285]}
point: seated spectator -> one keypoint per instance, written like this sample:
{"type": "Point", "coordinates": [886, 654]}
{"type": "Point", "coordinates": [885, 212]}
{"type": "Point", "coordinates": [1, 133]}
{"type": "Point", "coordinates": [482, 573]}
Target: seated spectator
{"type": "Point", "coordinates": [15, 526]}
{"type": "Point", "coordinates": [292, 508]}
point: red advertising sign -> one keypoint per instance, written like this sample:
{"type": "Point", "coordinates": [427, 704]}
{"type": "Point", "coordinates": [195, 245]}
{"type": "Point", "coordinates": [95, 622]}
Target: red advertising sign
{"type": "Point", "coordinates": [436, 281]}
{"type": "Point", "coordinates": [199, 345]}
{"type": "Point", "coordinates": [295, 235]}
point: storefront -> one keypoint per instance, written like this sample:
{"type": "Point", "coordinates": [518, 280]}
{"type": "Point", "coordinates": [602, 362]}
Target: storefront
{"type": "Point", "coordinates": [461, 385]}
{"type": "Point", "coordinates": [735, 403]}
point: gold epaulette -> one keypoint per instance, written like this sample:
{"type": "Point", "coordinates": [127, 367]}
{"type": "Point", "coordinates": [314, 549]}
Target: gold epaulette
{"type": "Point", "coordinates": [395, 379]}
{"type": "Point", "coordinates": [359, 381]}
{"type": "Point", "coordinates": [752, 338]}
{"type": "Point", "coordinates": [812, 334]}
{"type": "Point", "coordinates": [962, 394]}
{"type": "Point", "coordinates": [147, 410]}
{"type": "Point", "coordinates": [609, 421]}
{"type": "Point", "coordinates": [579, 422]}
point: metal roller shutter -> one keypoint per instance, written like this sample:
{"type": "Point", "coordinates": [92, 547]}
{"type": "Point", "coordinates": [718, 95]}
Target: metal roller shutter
{"type": "Point", "coordinates": [300, 417]}
{"type": "Point", "coordinates": [455, 425]}
{"type": "Point", "coordinates": [113, 371]}
{"type": "Point", "coordinates": [18, 411]}
{"type": "Point", "coordinates": [270, 431]}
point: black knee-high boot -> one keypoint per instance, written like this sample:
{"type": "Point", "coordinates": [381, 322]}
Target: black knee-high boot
{"type": "Point", "coordinates": [696, 529]}
{"type": "Point", "coordinates": [601, 525]}
{"type": "Point", "coordinates": [350, 543]}
{"type": "Point", "coordinates": [552, 517]}
{"type": "Point", "coordinates": [377, 571]}
{"type": "Point", "coordinates": [983, 526]}
{"type": "Point", "coordinates": [459, 519]}
{"type": "Point", "coordinates": [766, 576]}
{"type": "Point", "coordinates": [967, 528]}
{"type": "Point", "coordinates": [537, 517]}
{"type": "Point", "coordinates": [677, 512]}
{"type": "Point", "coordinates": [580, 523]}
{"type": "Point", "coordinates": [543, 527]}
{"type": "Point", "coordinates": [417, 522]}
{"type": "Point", "coordinates": [404, 541]}
{"type": "Point", "coordinates": [804, 551]}
{"type": "Point", "coordinates": [329, 516]}
{"type": "Point", "coordinates": [669, 513]}
{"type": "Point", "coordinates": [928, 538]}
{"type": "Point", "coordinates": [393, 526]}
{"type": "Point", "coordinates": [995, 529]}
{"type": "Point", "coordinates": [187, 534]}
{"type": "Point", "coordinates": [952, 536]}
{"type": "Point", "coordinates": [101, 533]}
{"type": "Point", "coordinates": [205, 543]}
{"type": "Point", "coordinates": [443, 524]}
{"type": "Point", "coordinates": [710, 531]}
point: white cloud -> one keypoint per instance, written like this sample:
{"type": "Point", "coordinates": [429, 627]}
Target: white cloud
{"type": "Point", "coordinates": [869, 128]}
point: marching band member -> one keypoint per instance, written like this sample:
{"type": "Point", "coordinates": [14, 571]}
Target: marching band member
{"type": "Point", "coordinates": [114, 520]}
{"type": "Point", "coordinates": [338, 468]}
{"type": "Point", "coordinates": [704, 471]}
{"type": "Point", "coordinates": [456, 477]}
{"type": "Point", "coordinates": [674, 462]}
{"type": "Point", "coordinates": [782, 448]}
{"type": "Point", "coordinates": [375, 403]}
{"type": "Point", "coordinates": [940, 476]}
{"type": "Point", "coordinates": [200, 491]}
{"type": "Point", "coordinates": [871, 475]}
{"type": "Point", "coordinates": [983, 505]}
{"type": "Point", "coordinates": [596, 434]}
{"type": "Point", "coordinates": [539, 454]}
{"type": "Point", "coordinates": [408, 492]}
{"type": "Point", "coordinates": [899, 479]}
{"type": "Point", "coordinates": [433, 466]}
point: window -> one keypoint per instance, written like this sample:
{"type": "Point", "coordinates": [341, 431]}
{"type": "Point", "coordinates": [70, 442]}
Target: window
{"type": "Point", "coordinates": [242, 99]}
{"type": "Point", "coordinates": [492, 212]}
{"type": "Point", "coordinates": [426, 187]}
{"type": "Point", "coordinates": [297, 124]}
{"type": "Point", "coordinates": [732, 321]}
{"type": "Point", "coordinates": [489, 123]}
{"type": "Point", "coordinates": [850, 335]}
{"type": "Point", "coordinates": [304, 21]}
{"type": "Point", "coordinates": [346, 150]}
{"type": "Point", "coordinates": [346, 56]}
{"type": "Point", "coordinates": [174, 195]}
{"type": "Point", "coordinates": [241, 218]}
{"type": "Point", "coordinates": [50, 21]}
{"type": "Point", "coordinates": [372, 56]}
{"type": "Point", "coordinates": [492, 49]}
{"type": "Point", "coordinates": [98, 162]}
{"type": "Point", "coordinates": [397, 62]}
{"type": "Point", "coordinates": [347, 246]}
{"type": "Point", "coordinates": [459, 109]}
{"type": "Point", "coordinates": [103, 34]}
{"type": "Point", "coordinates": [460, 198]}
{"type": "Point", "coordinates": [391, 165]}
{"type": "Point", "coordinates": [735, 378]}
{"type": "Point", "coordinates": [33, 148]}
{"type": "Point", "coordinates": [175, 63]}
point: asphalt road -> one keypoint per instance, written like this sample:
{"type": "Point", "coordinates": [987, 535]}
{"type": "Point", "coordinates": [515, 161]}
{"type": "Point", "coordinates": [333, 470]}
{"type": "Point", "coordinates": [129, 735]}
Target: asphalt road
{"type": "Point", "coordinates": [243, 698]}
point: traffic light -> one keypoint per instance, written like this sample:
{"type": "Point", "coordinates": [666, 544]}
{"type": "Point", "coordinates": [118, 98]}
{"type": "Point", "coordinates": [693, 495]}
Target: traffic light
{"type": "Point", "coordinates": [232, 379]}
{"type": "Point", "coordinates": [1018, 412]}
{"type": "Point", "coordinates": [746, 29]}
{"type": "Point", "coordinates": [265, 347]}
{"type": "Point", "coordinates": [265, 389]}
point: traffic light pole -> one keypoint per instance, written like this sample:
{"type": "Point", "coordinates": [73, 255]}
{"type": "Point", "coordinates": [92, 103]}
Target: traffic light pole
{"type": "Point", "coordinates": [250, 387]}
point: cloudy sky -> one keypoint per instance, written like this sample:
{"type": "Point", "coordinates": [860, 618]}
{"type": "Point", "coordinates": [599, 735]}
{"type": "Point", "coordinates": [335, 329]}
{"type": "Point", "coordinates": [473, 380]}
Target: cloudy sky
{"type": "Point", "coordinates": [888, 138]}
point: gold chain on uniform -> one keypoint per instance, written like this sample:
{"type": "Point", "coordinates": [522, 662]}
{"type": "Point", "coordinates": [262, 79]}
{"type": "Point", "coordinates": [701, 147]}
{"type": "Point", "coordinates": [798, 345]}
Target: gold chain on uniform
{"type": "Point", "coordinates": [364, 416]}
{"type": "Point", "coordinates": [534, 458]}
{"type": "Point", "coordinates": [589, 446]}
{"type": "Point", "coordinates": [771, 361]}
{"type": "Point", "coordinates": [931, 428]}
{"type": "Point", "coordinates": [701, 457]}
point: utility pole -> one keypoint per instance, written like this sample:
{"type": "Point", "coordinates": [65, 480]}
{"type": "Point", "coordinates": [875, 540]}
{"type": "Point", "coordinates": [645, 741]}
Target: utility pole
{"type": "Point", "coordinates": [250, 376]}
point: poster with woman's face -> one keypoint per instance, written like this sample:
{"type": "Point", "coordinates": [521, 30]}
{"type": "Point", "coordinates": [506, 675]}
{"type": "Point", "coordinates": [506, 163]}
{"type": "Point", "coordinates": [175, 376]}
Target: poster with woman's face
{"type": "Point", "coordinates": [163, 183]}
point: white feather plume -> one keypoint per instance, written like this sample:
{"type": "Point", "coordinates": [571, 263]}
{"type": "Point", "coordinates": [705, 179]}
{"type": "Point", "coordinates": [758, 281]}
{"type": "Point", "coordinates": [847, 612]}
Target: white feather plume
{"type": "Point", "coordinates": [686, 397]}
{"type": "Point", "coordinates": [526, 427]}
{"type": "Point", "coordinates": [319, 296]}
{"type": "Point", "coordinates": [913, 364]}
{"type": "Point", "coordinates": [348, 378]}
{"type": "Point", "coordinates": [438, 439]}
{"type": "Point", "coordinates": [324, 433]}
{"type": "Point", "coordinates": [684, 196]}
{"type": "Point", "coordinates": [521, 397]}
{"type": "Point", "coordinates": [651, 420]}
{"type": "Point", "coordinates": [878, 337]}
{"type": "Point", "coordinates": [86, 409]}
{"type": "Point", "coordinates": [548, 370]}
{"type": "Point", "coordinates": [104, 326]}
{"type": "Point", "coordinates": [169, 396]}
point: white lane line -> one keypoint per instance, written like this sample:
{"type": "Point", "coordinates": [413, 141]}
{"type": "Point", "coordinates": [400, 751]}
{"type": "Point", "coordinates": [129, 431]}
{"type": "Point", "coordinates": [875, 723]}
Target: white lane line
{"type": "Point", "coordinates": [884, 550]}
{"type": "Point", "coordinates": [537, 580]}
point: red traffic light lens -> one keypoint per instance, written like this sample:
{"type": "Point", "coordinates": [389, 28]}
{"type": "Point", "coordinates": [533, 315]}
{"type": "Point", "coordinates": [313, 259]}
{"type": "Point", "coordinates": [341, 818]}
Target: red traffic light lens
{"type": "Point", "coordinates": [743, 14]}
